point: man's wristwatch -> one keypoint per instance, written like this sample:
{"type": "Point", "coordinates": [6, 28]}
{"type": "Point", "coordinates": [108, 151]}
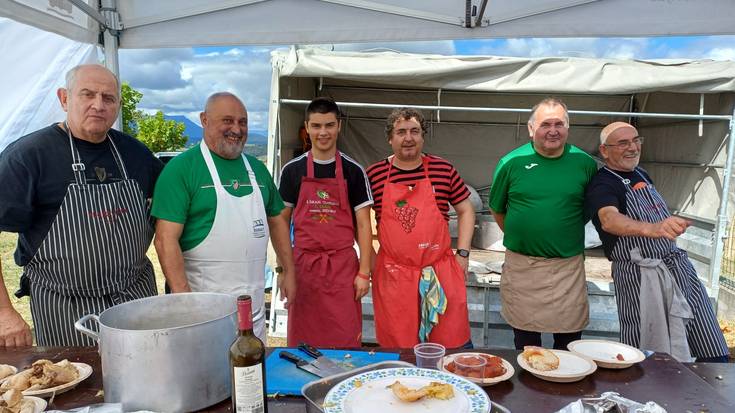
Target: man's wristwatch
{"type": "Point", "coordinates": [463, 253]}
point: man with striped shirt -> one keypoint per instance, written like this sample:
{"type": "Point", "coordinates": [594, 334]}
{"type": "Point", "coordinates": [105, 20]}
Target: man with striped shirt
{"type": "Point", "coordinates": [662, 305]}
{"type": "Point", "coordinates": [419, 283]}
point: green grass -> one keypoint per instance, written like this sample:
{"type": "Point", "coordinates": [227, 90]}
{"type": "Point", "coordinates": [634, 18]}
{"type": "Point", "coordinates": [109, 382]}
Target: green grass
{"type": "Point", "coordinates": [11, 274]}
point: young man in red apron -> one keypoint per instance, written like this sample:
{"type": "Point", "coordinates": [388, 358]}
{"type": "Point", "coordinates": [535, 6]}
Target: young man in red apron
{"type": "Point", "coordinates": [327, 195]}
{"type": "Point", "coordinates": [419, 289]}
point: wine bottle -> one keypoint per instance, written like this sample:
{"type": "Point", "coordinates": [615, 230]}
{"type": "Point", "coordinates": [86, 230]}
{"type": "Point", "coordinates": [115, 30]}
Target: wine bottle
{"type": "Point", "coordinates": [247, 364]}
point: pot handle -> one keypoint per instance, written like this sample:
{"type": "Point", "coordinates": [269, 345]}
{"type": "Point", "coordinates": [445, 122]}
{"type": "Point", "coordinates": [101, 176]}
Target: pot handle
{"type": "Point", "coordinates": [79, 325]}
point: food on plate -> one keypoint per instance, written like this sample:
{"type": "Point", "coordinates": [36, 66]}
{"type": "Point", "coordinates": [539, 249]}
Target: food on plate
{"type": "Point", "coordinates": [493, 367]}
{"type": "Point", "coordinates": [6, 370]}
{"type": "Point", "coordinates": [43, 374]}
{"type": "Point", "coordinates": [540, 358]}
{"type": "Point", "coordinates": [434, 390]}
{"type": "Point", "coordinates": [12, 401]}
{"type": "Point", "coordinates": [620, 357]}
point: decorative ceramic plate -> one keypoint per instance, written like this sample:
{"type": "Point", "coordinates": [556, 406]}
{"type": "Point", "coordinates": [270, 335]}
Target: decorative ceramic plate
{"type": "Point", "coordinates": [572, 367]}
{"type": "Point", "coordinates": [13, 369]}
{"type": "Point", "coordinates": [509, 370]}
{"type": "Point", "coordinates": [85, 370]}
{"type": "Point", "coordinates": [367, 393]}
{"type": "Point", "coordinates": [607, 354]}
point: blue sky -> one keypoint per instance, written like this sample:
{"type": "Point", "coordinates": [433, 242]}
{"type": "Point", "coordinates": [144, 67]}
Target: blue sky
{"type": "Point", "coordinates": [177, 81]}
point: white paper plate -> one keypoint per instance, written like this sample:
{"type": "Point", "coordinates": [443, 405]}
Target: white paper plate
{"type": "Point", "coordinates": [572, 367]}
{"type": "Point", "coordinates": [509, 370]}
{"type": "Point", "coordinates": [605, 352]}
{"type": "Point", "coordinates": [39, 404]}
{"type": "Point", "coordinates": [13, 368]}
{"type": "Point", "coordinates": [367, 393]}
{"type": "Point", "coordinates": [85, 370]}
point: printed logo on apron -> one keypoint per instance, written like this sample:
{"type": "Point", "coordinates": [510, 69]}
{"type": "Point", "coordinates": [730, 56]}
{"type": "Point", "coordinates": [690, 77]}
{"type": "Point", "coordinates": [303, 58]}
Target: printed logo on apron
{"type": "Point", "coordinates": [323, 208]}
{"type": "Point", "coordinates": [406, 215]}
{"type": "Point", "coordinates": [258, 228]}
{"type": "Point", "coordinates": [235, 184]}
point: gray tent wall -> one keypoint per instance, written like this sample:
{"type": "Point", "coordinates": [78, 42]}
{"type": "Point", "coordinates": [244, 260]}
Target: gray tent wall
{"type": "Point", "coordinates": [687, 166]}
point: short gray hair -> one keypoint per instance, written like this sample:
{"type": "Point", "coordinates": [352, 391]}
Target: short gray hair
{"type": "Point", "coordinates": [218, 95]}
{"type": "Point", "coordinates": [71, 75]}
{"type": "Point", "coordinates": [549, 101]}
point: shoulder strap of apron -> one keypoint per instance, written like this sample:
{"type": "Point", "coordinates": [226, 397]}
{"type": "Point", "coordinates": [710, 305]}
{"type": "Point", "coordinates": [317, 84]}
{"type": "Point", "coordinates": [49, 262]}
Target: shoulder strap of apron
{"type": "Point", "coordinates": [424, 161]}
{"type": "Point", "coordinates": [118, 157]}
{"type": "Point", "coordinates": [340, 175]}
{"type": "Point", "coordinates": [77, 165]}
{"type": "Point", "coordinates": [210, 165]}
{"type": "Point", "coordinates": [642, 176]}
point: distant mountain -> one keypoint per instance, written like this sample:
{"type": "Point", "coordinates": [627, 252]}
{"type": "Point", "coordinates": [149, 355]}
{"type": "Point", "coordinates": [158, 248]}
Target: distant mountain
{"type": "Point", "coordinates": [195, 132]}
{"type": "Point", "coordinates": [191, 129]}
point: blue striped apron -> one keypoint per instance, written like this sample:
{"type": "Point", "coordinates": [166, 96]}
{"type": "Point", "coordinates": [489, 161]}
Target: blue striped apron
{"type": "Point", "coordinates": [703, 332]}
{"type": "Point", "coordinates": [93, 256]}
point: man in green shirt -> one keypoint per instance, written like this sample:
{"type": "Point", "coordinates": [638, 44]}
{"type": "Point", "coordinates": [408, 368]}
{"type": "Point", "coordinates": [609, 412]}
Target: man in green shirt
{"type": "Point", "coordinates": [537, 199]}
{"type": "Point", "coordinates": [215, 208]}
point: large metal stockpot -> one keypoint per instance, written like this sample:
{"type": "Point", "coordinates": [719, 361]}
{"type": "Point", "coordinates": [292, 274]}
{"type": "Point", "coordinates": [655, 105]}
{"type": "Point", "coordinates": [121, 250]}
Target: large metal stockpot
{"type": "Point", "coordinates": [168, 353]}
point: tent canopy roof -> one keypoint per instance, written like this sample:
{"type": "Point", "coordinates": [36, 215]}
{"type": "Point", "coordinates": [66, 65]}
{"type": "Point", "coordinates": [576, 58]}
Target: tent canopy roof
{"type": "Point", "coordinates": [510, 74]}
{"type": "Point", "coordinates": [183, 23]}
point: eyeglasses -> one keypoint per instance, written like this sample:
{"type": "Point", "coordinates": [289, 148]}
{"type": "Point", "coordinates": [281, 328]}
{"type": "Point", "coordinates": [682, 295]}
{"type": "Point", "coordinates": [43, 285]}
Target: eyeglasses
{"type": "Point", "coordinates": [637, 141]}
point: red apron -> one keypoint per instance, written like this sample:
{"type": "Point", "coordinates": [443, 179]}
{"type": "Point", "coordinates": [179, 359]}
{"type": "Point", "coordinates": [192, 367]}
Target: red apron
{"type": "Point", "coordinates": [324, 313]}
{"type": "Point", "coordinates": [414, 234]}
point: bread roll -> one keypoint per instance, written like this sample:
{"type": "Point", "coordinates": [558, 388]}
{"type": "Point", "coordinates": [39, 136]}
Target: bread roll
{"type": "Point", "coordinates": [540, 358]}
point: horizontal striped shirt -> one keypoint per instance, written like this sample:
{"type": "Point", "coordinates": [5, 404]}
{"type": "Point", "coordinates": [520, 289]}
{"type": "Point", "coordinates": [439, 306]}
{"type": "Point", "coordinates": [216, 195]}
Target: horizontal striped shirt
{"type": "Point", "coordinates": [449, 188]}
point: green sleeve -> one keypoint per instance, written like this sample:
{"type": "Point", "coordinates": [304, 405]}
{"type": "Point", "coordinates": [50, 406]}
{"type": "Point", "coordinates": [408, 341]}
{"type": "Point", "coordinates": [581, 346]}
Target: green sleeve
{"type": "Point", "coordinates": [498, 198]}
{"type": "Point", "coordinates": [171, 198]}
{"type": "Point", "coordinates": [271, 197]}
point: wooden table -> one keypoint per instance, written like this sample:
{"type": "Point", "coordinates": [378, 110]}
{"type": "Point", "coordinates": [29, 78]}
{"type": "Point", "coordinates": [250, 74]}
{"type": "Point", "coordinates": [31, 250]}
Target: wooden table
{"type": "Point", "coordinates": [675, 386]}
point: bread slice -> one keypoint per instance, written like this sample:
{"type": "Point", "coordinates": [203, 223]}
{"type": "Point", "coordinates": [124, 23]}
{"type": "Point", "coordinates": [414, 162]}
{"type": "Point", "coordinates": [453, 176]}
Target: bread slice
{"type": "Point", "coordinates": [540, 358]}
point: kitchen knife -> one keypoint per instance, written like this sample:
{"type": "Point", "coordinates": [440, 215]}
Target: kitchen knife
{"type": "Point", "coordinates": [302, 364]}
{"type": "Point", "coordinates": [322, 363]}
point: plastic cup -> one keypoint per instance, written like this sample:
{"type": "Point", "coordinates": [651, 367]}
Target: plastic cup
{"type": "Point", "coordinates": [428, 355]}
{"type": "Point", "coordinates": [470, 366]}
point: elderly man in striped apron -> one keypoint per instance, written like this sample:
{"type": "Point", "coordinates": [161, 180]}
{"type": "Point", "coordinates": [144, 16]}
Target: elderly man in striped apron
{"type": "Point", "coordinates": [662, 305]}
{"type": "Point", "coordinates": [77, 193]}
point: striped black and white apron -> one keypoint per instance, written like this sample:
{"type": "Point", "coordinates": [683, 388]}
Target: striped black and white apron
{"type": "Point", "coordinates": [703, 332]}
{"type": "Point", "coordinates": [93, 257]}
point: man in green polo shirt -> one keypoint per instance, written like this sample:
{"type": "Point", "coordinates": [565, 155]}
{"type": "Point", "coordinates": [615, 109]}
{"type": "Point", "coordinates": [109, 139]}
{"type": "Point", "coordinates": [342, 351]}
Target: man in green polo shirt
{"type": "Point", "coordinates": [537, 199]}
{"type": "Point", "coordinates": [215, 208]}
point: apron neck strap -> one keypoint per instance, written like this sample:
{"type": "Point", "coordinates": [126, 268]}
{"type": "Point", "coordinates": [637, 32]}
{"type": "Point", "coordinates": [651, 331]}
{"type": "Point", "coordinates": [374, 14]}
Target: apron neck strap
{"type": "Point", "coordinates": [78, 166]}
{"type": "Point", "coordinates": [626, 181]}
{"type": "Point", "coordinates": [424, 162]}
{"type": "Point", "coordinates": [337, 165]}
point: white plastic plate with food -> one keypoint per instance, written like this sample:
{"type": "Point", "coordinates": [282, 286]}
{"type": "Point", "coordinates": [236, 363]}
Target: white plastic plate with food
{"type": "Point", "coordinates": [492, 374]}
{"type": "Point", "coordinates": [369, 393]}
{"type": "Point", "coordinates": [85, 370]}
{"type": "Point", "coordinates": [572, 367]}
{"type": "Point", "coordinates": [607, 354]}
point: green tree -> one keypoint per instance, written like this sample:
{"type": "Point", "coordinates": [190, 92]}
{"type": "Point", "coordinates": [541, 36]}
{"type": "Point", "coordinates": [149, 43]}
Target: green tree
{"type": "Point", "coordinates": [156, 132]}
{"type": "Point", "coordinates": [160, 134]}
{"type": "Point", "coordinates": [130, 114]}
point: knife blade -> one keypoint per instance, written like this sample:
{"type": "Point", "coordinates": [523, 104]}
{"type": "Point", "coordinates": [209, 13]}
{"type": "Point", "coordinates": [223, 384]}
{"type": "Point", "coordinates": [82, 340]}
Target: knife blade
{"type": "Point", "coordinates": [302, 364]}
{"type": "Point", "coordinates": [321, 362]}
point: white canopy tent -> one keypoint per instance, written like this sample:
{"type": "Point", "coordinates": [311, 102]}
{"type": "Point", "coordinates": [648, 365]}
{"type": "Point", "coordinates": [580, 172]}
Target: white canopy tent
{"type": "Point", "coordinates": [478, 107]}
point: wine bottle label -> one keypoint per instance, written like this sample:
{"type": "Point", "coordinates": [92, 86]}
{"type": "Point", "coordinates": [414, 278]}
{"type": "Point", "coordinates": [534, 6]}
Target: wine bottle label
{"type": "Point", "coordinates": [249, 397]}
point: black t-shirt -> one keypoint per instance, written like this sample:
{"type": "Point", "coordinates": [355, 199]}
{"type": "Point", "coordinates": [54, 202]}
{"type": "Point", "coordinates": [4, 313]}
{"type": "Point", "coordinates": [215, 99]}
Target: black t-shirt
{"type": "Point", "coordinates": [606, 189]}
{"type": "Point", "coordinates": [35, 172]}
{"type": "Point", "coordinates": [358, 186]}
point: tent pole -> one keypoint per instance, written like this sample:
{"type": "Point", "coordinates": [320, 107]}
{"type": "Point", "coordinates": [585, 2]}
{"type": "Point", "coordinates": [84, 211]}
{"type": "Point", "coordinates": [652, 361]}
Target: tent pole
{"type": "Point", "coordinates": [720, 227]}
{"type": "Point", "coordinates": [109, 35]}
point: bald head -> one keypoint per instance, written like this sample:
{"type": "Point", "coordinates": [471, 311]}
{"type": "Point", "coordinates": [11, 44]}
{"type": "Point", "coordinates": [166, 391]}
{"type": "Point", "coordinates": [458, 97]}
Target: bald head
{"type": "Point", "coordinates": [74, 72]}
{"type": "Point", "coordinates": [609, 129]}
{"type": "Point", "coordinates": [213, 99]}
